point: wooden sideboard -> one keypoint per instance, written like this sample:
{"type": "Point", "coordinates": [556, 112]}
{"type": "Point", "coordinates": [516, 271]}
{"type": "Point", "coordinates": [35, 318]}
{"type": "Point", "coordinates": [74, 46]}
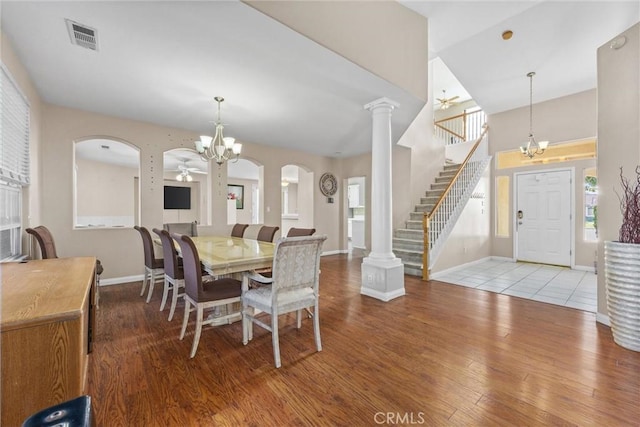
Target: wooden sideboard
{"type": "Point", "coordinates": [47, 324]}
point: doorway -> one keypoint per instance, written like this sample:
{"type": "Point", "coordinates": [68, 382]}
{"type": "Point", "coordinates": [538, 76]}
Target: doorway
{"type": "Point", "coordinates": [356, 214]}
{"type": "Point", "coordinates": [544, 224]}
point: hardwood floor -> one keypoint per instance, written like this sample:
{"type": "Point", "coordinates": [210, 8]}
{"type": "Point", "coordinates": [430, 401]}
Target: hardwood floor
{"type": "Point", "coordinates": [441, 355]}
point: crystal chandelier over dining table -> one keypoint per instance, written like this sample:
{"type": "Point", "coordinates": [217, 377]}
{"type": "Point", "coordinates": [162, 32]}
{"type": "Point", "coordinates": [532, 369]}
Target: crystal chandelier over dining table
{"type": "Point", "coordinates": [533, 147]}
{"type": "Point", "coordinates": [218, 147]}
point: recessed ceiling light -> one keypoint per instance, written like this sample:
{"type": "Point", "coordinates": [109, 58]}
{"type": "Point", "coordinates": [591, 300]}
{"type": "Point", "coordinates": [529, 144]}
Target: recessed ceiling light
{"type": "Point", "coordinates": [507, 35]}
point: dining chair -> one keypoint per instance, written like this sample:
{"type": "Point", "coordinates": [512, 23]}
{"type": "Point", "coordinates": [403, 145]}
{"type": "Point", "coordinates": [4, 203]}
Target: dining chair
{"type": "Point", "coordinates": [153, 267]}
{"type": "Point", "coordinates": [48, 251]}
{"type": "Point", "coordinates": [45, 241]}
{"type": "Point", "coordinates": [203, 293]}
{"type": "Point", "coordinates": [266, 233]}
{"type": "Point", "coordinates": [294, 287]}
{"type": "Point", "coordinates": [297, 232]}
{"type": "Point", "coordinates": [188, 228]}
{"type": "Point", "coordinates": [238, 230]}
{"type": "Point", "coordinates": [173, 272]}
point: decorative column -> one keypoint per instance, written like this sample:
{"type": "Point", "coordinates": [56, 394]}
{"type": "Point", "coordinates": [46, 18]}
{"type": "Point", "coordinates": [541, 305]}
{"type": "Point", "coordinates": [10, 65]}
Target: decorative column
{"type": "Point", "coordinates": [382, 272]}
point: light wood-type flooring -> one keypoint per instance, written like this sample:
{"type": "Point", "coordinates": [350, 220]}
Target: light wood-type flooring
{"type": "Point", "coordinates": [442, 355]}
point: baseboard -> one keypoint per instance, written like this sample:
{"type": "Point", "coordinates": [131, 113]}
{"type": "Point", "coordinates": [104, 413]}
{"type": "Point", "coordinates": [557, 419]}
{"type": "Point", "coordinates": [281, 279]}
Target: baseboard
{"type": "Point", "coordinates": [502, 258]}
{"type": "Point", "coordinates": [121, 280]}
{"type": "Point", "coordinates": [584, 268]}
{"type": "Point", "coordinates": [435, 276]}
{"type": "Point", "coordinates": [336, 252]}
{"type": "Point", "coordinates": [382, 296]}
{"type": "Point", "coordinates": [603, 318]}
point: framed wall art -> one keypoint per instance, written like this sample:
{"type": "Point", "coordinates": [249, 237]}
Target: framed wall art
{"type": "Point", "coordinates": [236, 192]}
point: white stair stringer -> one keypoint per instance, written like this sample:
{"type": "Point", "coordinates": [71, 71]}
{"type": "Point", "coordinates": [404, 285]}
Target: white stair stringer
{"type": "Point", "coordinates": [460, 193]}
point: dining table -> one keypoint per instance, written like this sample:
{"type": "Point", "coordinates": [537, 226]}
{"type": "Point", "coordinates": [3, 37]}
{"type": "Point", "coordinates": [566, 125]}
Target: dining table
{"type": "Point", "coordinates": [226, 256]}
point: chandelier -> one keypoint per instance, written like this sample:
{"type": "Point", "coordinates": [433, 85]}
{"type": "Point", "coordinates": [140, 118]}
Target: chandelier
{"type": "Point", "coordinates": [218, 148]}
{"type": "Point", "coordinates": [533, 147]}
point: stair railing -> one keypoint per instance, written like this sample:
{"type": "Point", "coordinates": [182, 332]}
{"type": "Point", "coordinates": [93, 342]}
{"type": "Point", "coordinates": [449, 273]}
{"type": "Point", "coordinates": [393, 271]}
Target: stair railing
{"type": "Point", "coordinates": [461, 128]}
{"type": "Point", "coordinates": [434, 223]}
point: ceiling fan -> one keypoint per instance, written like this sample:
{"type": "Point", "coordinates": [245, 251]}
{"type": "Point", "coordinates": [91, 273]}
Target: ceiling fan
{"type": "Point", "coordinates": [185, 172]}
{"type": "Point", "coordinates": [446, 102]}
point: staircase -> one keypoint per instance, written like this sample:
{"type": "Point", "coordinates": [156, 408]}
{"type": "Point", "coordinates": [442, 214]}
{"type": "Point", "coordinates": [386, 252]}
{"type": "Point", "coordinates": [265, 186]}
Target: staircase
{"type": "Point", "coordinates": [408, 242]}
{"type": "Point", "coordinates": [440, 208]}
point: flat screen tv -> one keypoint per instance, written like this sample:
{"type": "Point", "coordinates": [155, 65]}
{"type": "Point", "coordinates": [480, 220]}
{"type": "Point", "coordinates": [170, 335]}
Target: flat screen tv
{"type": "Point", "coordinates": [177, 197]}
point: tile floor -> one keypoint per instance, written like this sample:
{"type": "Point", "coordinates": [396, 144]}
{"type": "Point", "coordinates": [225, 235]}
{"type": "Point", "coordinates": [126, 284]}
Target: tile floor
{"type": "Point", "coordinates": [545, 283]}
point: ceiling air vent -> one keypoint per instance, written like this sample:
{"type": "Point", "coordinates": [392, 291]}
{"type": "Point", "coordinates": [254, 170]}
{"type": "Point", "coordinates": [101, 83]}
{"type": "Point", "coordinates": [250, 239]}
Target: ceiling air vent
{"type": "Point", "coordinates": [82, 35]}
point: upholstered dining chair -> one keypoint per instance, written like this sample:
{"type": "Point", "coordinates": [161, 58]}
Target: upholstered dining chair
{"type": "Point", "coordinates": [188, 228]}
{"type": "Point", "coordinates": [203, 293]}
{"type": "Point", "coordinates": [173, 272]}
{"type": "Point", "coordinates": [294, 287]}
{"type": "Point", "coordinates": [297, 232]}
{"type": "Point", "coordinates": [153, 267]}
{"type": "Point", "coordinates": [266, 233]}
{"type": "Point", "coordinates": [238, 230]}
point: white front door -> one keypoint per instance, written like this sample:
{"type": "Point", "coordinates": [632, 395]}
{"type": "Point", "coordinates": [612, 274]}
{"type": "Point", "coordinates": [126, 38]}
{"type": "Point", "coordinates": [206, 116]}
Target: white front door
{"type": "Point", "coordinates": [543, 217]}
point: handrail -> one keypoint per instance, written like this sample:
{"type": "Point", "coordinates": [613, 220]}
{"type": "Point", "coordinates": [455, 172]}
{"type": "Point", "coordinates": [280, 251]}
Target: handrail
{"type": "Point", "coordinates": [426, 218]}
{"type": "Point", "coordinates": [459, 125]}
{"type": "Point", "coordinates": [485, 128]}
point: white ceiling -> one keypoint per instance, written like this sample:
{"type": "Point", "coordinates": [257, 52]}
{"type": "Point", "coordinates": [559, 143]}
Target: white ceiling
{"type": "Point", "coordinates": [163, 62]}
{"type": "Point", "coordinates": [556, 39]}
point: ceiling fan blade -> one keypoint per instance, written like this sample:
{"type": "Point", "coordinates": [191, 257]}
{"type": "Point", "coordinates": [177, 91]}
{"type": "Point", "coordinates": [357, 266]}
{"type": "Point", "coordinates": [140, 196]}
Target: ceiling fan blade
{"type": "Point", "coordinates": [193, 170]}
{"type": "Point", "coordinates": [453, 98]}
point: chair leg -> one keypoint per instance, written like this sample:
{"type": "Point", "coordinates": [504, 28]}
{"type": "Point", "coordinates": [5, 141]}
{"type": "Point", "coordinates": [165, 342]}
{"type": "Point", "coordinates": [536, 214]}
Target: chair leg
{"type": "Point", "coordinates": [144, 281]}
{"type": "Point", "coordinates": [299, 318]}
{"type": "Point", "coordinates": [152, 283]}
{"type": "Point", "coordinates": [174, 300]}
{"type": "Point", "coordinates": [196, 337]}
{"type": "Point", "coordinates": [185, 318]}
{"type": "Point", "coordinates": [275, 340]}
{"type": "Point", "coordinates": [316, 327]}
{"type": "Point", "coordinates": [245, 327]}
{"type": "Point", "coordinates": [165, 292]}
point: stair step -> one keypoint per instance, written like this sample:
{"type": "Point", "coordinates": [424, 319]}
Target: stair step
{"type": "Point", "coordinates": [424, 208]}
{"type": "Point", "coordinates": [405, 233]}
{"type": "Point", "coordinates": [409, 256]}
{"type": "Point", "coordinates": [429, 200]}
{"type": "Point", "coordinates": [414, 225]}
{"type": "Point", "coordinates": [440, 179]}
{"type": "Point", "coordinates": [448, 172]}
{"type": "Point", "coordinates": [455, 166]}
{"type": "Point", "coordinates": [439, 186]}
{"type": "Point", "coordinates": [416, 216]}
{"type": "Point", "coordinates": [410, 244]}
{"type": "Point", "coordinates": [413, 269]}
{"type": "Point", "coordinates": [434, 193]}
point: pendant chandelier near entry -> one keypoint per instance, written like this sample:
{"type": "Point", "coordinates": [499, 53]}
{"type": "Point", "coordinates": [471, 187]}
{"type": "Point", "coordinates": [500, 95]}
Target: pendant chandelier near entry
{"type": "Point", "coordinates": [218, 147]}
{"type": "Point", "coordinates": [533, 147]}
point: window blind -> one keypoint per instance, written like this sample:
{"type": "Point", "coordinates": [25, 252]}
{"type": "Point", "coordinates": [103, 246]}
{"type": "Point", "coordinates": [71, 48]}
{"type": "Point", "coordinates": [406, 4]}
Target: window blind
{"type": "Point", "coordinates": [14, 130]}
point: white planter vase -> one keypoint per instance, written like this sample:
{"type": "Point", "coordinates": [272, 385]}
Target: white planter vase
{"type": "Point", "coordinates": [622, 275]}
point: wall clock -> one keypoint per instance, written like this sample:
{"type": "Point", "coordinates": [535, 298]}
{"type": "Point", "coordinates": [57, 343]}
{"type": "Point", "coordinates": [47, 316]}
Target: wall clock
{"type": "Point", "coordinates": [328, 184]}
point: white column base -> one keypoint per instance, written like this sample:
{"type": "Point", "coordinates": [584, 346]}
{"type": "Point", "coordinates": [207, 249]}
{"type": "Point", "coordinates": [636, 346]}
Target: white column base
{"type": "Point", "coordinates": [382, 279]}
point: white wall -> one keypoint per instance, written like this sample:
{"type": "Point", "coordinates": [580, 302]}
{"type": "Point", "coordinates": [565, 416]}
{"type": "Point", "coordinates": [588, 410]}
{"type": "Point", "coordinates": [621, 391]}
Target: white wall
{"type": "Point", "coordinates": [618, 135]}
{"type": "Point", "coordinates": [564, 119]}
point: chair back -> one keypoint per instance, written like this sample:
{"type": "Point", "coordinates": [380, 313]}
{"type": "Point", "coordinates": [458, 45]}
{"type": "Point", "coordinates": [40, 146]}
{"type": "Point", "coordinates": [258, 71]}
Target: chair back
{"type": "Point", "coordinates": [296, 264]}
{"type": "Point", "coordinates": [296, 232]}
{"type": "Point", "coordinates": [266, 233]}
{"type": "Point", "coordinates": [188, 228]}
{"type": "Point", "coordinates": [238, 230]}
{"type": "Point", "coordinates": [191, 265]}
{"type": "Point", "coordinates": [170, 256]}
{"type": "Point", "coordinates": [45, 241]}
{"type": "Point", "coordinates": [147, 244]}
